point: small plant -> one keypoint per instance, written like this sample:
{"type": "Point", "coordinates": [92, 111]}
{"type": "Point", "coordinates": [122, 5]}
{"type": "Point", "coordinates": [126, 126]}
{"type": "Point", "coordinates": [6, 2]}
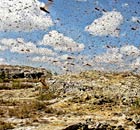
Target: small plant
{"type": "Point", "coordinates": [136, 103]}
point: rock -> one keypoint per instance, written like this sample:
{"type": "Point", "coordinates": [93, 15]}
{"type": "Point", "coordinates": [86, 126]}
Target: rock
{"type": "Point", "coordinates": [22, 72]}
{"type": "Point", "coordinates": [100, 126]}
{"type": "Point", "coordinates": [102, 101]}
{"type": "Point", "coordinates": [78, 126]}
{"type": "Point", "coordinates": [19, 77]}
{"type": "Point", "coordinates": [106, 126]}
{"type": "Point", "coordinates": [120, 127]}
{"type": "Point", "coordinates": [137, 125]}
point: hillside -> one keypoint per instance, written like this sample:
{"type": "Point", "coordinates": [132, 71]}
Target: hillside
{"type": "Point", "coordinates": [90, 100]}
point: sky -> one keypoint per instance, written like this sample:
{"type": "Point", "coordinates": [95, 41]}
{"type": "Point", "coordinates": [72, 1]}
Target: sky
{"type": "Point", "coordinates": [77, 35]}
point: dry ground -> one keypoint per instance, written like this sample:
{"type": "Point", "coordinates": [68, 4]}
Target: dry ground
{"type": "Point", "coordinates": [90, 97]}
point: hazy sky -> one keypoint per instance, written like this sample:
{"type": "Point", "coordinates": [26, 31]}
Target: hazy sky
{"type": "Point", "coordinates": [76, 35]}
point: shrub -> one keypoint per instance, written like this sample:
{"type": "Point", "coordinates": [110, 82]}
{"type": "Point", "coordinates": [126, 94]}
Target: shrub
{"type": "Point", "coordinates": [136, 103]}
{"type": "Point", "coordinates": [46, 96]}
{"type": "Point", "coordinates": [16, 84]}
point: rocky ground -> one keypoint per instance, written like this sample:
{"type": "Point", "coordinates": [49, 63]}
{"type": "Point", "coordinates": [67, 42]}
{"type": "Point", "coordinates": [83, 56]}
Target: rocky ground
{"type": "Point", "coordinates": [89, 100]}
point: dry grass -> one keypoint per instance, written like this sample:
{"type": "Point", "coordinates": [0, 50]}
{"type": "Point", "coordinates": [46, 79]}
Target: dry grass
{"type": "Point", "coordinates": [8, 102]}
{"type": "Point", "coordinates": [134, 111]}
{"type": "Point", "coordinates": [26, 109]}
{"type": "Point", "coordinates": [100, 99]}
{"type": "Point", "coordinates": [18, 84]}
{"type": "Point", "coordinates": [6, 125]}
{"type": "Point", "coordinates": [135, 108]}
{"type": "Point", "coordinates": [48, 95]}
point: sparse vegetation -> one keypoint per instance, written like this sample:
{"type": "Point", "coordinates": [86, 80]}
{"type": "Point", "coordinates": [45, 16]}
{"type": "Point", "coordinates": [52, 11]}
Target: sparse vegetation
{"type": "Point", "coordinates": [70, 96]}
{"type": "Point", "coordinates": [26, 109]}
{"type": "Point", "coordinates": [16, 84]}
{"type": "Point", "coordinates": [136, 103]}
{"type": "Point", "coordinates": [6, 125]}
{"type": "Point", "coordinates": [48, 95]}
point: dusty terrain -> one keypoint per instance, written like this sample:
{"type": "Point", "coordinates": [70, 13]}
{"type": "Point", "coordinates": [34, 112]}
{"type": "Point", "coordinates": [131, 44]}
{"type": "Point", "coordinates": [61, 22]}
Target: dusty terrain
{"type": "Point", "coordinates": [89, 100]}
